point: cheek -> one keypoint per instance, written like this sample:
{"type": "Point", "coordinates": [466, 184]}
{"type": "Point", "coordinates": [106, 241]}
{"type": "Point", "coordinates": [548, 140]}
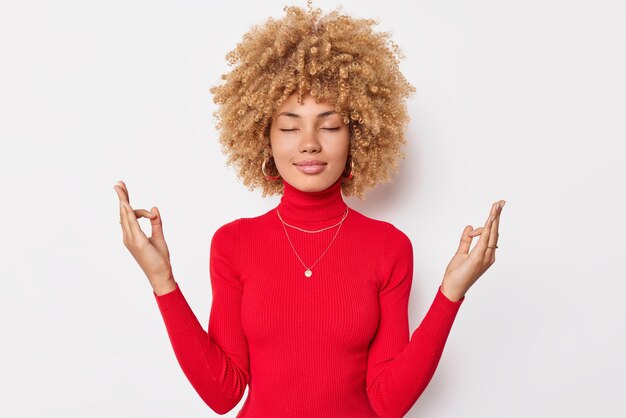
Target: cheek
{"type": "Point", "coordinates": [283, 144]}
{"type": "Point", "coordinates": [282, 151]}
{"type": "Point", "coordinates": [341, 146]}
{"type": "Point", "coordinates": [276, 143]}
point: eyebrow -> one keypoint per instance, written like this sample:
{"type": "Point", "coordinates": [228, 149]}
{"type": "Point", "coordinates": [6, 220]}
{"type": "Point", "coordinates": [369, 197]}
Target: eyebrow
{"type": "Point", "coordinates": [295, 115]}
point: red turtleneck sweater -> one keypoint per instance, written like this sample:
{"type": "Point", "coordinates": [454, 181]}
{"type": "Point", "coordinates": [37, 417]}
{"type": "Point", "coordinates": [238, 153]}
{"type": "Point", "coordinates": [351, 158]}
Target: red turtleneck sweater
{"type": "Point", "coordinates": [333, 345]}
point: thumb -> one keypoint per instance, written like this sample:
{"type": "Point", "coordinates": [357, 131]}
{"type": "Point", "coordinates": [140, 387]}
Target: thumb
{"type": "Point", "coordinates": [155, 221]}
{"type": "Point", "coordinates": [466, 240]}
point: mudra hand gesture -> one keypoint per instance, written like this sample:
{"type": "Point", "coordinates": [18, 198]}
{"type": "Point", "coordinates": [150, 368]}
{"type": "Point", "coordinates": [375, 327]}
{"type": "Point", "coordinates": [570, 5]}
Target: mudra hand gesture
{"type": "Point", "coordinates": [151, 253]}
{"type": "Point", "coordinates": [466, 267]}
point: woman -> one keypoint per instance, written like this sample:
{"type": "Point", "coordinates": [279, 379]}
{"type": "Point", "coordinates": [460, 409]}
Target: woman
{"type": "Point", "coordinates": [310, 299]}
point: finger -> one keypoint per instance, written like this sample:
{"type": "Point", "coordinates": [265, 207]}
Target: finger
{"type": "Point", "coordinates": [120, 197]}
{"type": "Point", "coordinates": [496, 225]}
{"type": "Point", "coordinates": [483, 241]}
{"type": "Point", "coordinates": [124, 222]}
{"type": "Point", "coordinates": [131, 221]}
{"type": "Point", "coordinates": [142, 213]}
{"type": "Point", "coordinates": [157, 225]}
{"type": "Point", "coordinates": [466, 241]}
{"type": "Point", "coordinates": [121, 193]}
{"type": "Point", "coordinates": [124, 189]}
{"type": "Point", "coordinates": [476, 232]}
{"type": "Point", "coordinates": [493, 236]}
{"type": "Point", "coordinates": [123, 216]}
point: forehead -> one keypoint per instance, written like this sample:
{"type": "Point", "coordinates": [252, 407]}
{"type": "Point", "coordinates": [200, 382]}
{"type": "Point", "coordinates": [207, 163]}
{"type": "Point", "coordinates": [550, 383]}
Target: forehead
{"type": "Point", "coordinates": [308, 107]}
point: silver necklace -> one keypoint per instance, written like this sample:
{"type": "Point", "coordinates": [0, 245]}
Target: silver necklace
{"type": "Point", "coordinates": [308, 272]}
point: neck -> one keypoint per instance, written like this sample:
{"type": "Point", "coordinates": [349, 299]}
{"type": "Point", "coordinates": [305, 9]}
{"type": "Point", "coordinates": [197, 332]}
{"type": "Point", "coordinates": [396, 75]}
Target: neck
{"type": "Point", "coordinates": [307, 207]}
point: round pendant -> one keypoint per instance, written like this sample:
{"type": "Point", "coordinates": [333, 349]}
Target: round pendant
{"type": "Point", "coordinates": [308, 273]}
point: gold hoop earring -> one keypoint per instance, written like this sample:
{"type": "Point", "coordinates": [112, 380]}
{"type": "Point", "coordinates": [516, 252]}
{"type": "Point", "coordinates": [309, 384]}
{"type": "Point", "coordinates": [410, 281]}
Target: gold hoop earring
{"type": "Point", "coordinates": [267, 176]}
{"type": "Point", "coordinates": [351, 174]}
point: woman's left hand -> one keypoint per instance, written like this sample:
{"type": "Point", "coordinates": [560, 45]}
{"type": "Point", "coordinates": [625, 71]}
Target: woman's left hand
{"type": "Point", "coordinates": [465, 268]}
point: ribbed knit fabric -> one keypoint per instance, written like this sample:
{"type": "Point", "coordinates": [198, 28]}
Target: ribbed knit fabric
{"type": "Point", "coordinates": [333, 345]}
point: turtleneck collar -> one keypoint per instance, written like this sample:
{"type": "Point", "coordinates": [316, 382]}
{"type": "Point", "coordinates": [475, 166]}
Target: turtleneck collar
{"type": "Point", "coordinates": [306, 207]}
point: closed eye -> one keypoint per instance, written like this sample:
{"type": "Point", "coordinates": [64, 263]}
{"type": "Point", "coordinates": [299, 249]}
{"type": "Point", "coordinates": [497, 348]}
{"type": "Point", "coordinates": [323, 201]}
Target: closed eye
{"type": "Point", "coordinates": [327, 129]}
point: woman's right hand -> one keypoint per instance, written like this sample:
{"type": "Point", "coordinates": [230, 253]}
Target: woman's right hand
{"type": "Point", "coordinates": [151, 253]}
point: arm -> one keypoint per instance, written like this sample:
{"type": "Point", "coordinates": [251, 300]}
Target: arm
{"type": "Point", "coordinates": [215, 363]}
{"type": "Point", "coordinates": [398, 369]}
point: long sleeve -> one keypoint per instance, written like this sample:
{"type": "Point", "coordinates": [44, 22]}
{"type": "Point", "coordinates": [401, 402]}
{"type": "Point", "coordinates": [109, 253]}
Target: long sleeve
{"type": "Point", "coordinates": [216, 362]}
{"type": "Point", "coordinates": [398, 369]}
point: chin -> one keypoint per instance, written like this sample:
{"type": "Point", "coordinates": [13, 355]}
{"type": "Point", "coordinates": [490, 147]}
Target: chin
{"type": "Point", "coordinates": [312, 183]}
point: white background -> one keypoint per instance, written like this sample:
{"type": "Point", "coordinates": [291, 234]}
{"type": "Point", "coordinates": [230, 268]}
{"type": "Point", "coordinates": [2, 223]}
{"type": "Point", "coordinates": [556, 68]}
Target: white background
{"type": "Point", "coordinates": [518, 100]}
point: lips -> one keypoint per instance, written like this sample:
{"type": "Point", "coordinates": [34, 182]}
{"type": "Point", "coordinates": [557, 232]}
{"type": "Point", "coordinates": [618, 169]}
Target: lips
{"type": "Point", "coordinates": [310, 162]}
{"type": "Point", "coordinates": [311, 166]}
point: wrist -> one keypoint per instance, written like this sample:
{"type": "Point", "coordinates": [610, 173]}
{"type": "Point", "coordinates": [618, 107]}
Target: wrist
{"type": "Point", "coordinates": [452, 293]}
{"type": "Point", "coordinates": [164, 288]}
{"type": "Point", "coordinates": [163, 285]}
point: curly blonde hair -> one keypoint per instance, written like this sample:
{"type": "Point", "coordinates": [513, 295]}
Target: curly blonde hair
{"type": "Point", "coordinates": [335, 58]}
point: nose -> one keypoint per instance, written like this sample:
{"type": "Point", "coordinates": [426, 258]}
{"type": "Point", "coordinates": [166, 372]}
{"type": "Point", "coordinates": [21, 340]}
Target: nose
{"type": "Point", "coordinates": [309, 142]}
